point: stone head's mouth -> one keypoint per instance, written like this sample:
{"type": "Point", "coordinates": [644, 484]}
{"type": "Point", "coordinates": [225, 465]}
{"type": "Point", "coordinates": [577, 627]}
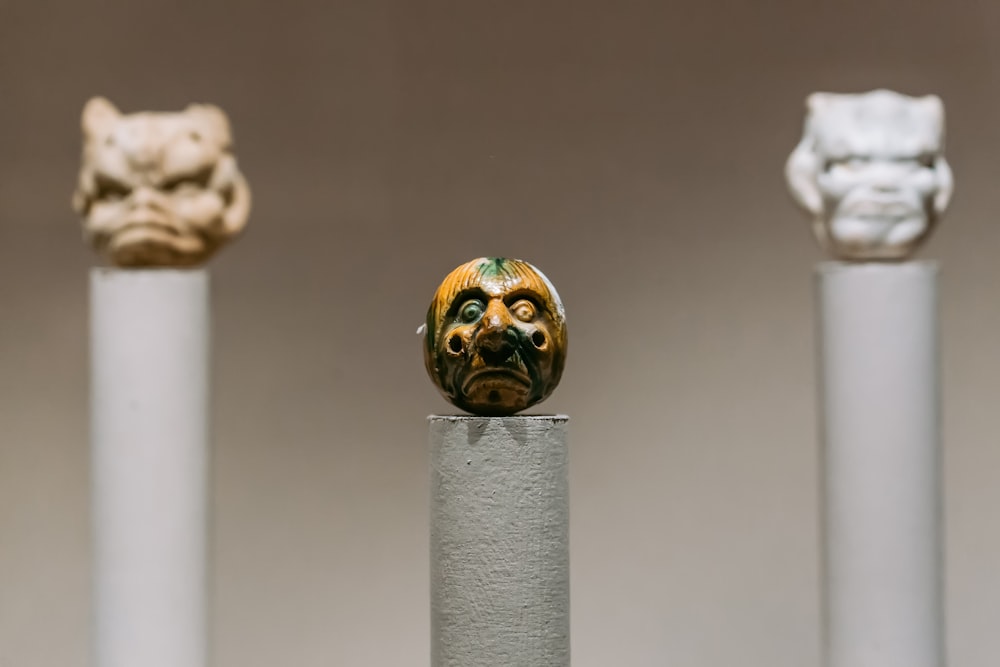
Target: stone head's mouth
{"type": "Point", "coordinates": [875, 209]}
{"type": "Point", "coordinates": [155, 226]}
{"type": "Point", "coordinates": [153, 243]}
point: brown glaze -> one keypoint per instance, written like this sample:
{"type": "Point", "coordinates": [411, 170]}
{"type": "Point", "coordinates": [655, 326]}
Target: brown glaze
{"type": "Point", "coordinates": [495, 341]}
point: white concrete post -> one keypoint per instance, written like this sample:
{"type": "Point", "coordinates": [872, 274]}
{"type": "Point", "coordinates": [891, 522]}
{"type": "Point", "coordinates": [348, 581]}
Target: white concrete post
{"type": "Point", "coordinates": [149, 423]}
{"type": "Point", "coordinates": [881, 426]}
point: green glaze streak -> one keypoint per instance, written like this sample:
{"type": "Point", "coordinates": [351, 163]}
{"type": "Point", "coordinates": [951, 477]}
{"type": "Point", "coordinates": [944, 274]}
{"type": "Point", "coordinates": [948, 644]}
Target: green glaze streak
{"type": "Point", "coordinates": [493, 267]}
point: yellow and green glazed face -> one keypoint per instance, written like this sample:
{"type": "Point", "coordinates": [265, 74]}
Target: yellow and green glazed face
{"type": "Point", "coordinates": [495, 342]}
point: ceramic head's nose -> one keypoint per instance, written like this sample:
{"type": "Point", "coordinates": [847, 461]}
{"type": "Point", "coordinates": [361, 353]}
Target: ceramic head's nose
{"type": "Point", "coordinates": [497, 339]}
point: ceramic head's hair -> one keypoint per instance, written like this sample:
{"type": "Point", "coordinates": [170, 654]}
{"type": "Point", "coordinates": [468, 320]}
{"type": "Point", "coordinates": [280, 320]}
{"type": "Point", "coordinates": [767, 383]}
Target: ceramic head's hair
{"type": "Point", "coordinates": [880, 123]}
{"type": "Point", "coordinates": [494, 275]}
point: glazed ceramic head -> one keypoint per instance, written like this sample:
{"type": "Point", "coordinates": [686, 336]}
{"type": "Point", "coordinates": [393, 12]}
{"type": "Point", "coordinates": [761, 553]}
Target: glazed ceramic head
{"type": "Point", "coordinates": [495, 338]}
{"type": "Point", "coordinates": [871, 172]}
{"type": "Point", "coordinates": [158, 189]}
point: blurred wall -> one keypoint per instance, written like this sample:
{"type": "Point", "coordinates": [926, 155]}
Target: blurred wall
{"type": "Point", "coordinates": [633, 151]}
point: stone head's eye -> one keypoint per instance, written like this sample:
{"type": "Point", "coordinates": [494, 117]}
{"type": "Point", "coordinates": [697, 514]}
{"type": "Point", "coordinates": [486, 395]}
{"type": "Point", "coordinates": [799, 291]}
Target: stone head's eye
{"type": "Point", "coordinates": [849, 163]}
{"type": "Point", "coordinates": [836, 162]}
{"type": "Point", "coordinates": [523, 310]}
{"type": "Point", "coordinates": [198, 180]}
{"type": "Point", "coordinates": [472, 310]}
{"type": "Point", "coordinates": [179, 184]}
{"type": "Point", "coordinates": [109, 189]}
{"type": "Point", "coordinates": [926, 160]}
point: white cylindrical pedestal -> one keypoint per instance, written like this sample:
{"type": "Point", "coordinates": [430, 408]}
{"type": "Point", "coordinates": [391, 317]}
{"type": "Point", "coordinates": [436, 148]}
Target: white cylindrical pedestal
{"type": "Point", "coordinates": [149, 417]}
{"type": "Point", "coordinates": [881, 465]}
{"type": "Point", "coordinates": [499, 542]}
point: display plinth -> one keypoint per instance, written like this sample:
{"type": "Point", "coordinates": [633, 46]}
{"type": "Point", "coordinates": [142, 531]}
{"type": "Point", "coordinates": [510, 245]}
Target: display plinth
{"type": "Point", "coordinates": [499, 541]}
{"type": "Point", "coordinates": [149, 424]}
{"type": "Point", "coordinates": [881, 464]}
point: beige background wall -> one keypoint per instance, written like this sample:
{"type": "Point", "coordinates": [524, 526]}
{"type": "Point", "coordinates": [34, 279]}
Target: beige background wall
{"type": "Point", "coordinates": [633, 151]}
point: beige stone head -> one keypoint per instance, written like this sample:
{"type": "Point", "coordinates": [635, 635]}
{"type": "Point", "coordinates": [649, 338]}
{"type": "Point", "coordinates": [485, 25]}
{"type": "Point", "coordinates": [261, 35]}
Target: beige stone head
{"type": "Point", "coordinates": [870, 170]}
{"type": "Point", "coordinates": [159, 189]}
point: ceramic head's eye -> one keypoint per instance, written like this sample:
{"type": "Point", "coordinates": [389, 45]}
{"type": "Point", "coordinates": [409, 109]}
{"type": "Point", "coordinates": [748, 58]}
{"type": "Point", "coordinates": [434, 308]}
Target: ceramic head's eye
{"type": "Point", "coordinates": [471, 310]}
{"type": "Point", "coordinates": [523, 310]}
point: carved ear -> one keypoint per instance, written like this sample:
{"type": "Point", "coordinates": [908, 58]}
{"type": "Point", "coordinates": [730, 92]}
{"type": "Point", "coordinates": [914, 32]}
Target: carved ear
{"type": "Point", "coordinates": [81, 202]}
{"type": "Point", "coordinates": [235, 217]}
{"type": "Point", "coordinates": [946, 184]}
{"type": "Point", "coordinates": [801, 171]}
{"type": "Point", "coordinates": [934, 108]}
{"type": "Point", "coordinates": [803, 165]}
{"type": "Point", "coordinates": [215, 118]}
{"type": "Point", "coordinates": [98, 114]}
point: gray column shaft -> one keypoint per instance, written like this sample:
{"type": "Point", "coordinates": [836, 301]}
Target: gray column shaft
{"type": "Point", "coordinates": [499, 542]}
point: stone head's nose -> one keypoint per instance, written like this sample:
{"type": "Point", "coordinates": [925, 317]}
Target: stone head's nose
{"type": "Point", "coordinates": [884, 178]}
{"type": "Point", "coordinates": [145, 196]}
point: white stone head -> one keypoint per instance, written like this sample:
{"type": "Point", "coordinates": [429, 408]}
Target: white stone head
{"type": "Point", "coordinates": [870, 169]}
{"type": "Point", "coordinates": [159, 189]}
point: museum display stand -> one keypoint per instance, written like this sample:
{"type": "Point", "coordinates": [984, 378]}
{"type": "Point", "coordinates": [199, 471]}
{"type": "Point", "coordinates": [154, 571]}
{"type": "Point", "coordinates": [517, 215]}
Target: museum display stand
{"type": "Point", "coordinates": [881, 464]}
{"type": "Point", "coordinates": [499, 541]}
{"type": "Point", "coordinates": [149, 440]}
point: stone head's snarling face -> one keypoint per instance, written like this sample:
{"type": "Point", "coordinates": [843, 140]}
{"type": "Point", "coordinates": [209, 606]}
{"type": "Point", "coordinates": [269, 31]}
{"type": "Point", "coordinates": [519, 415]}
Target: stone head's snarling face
{"type": "Point", "coordinates": [159, 189]}
{"type": "Point", "coordinates": [870, 169]}
{"type": "Point", "coordinates": [496, 336]}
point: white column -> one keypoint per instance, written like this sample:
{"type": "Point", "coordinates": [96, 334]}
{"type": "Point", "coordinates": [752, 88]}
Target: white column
{"type": "Point", "coordinates": [149, 418]}
{"type": "Point", "coordinates": [499, 542]}
{"type": "Point", "coordinates": [880, 399]}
